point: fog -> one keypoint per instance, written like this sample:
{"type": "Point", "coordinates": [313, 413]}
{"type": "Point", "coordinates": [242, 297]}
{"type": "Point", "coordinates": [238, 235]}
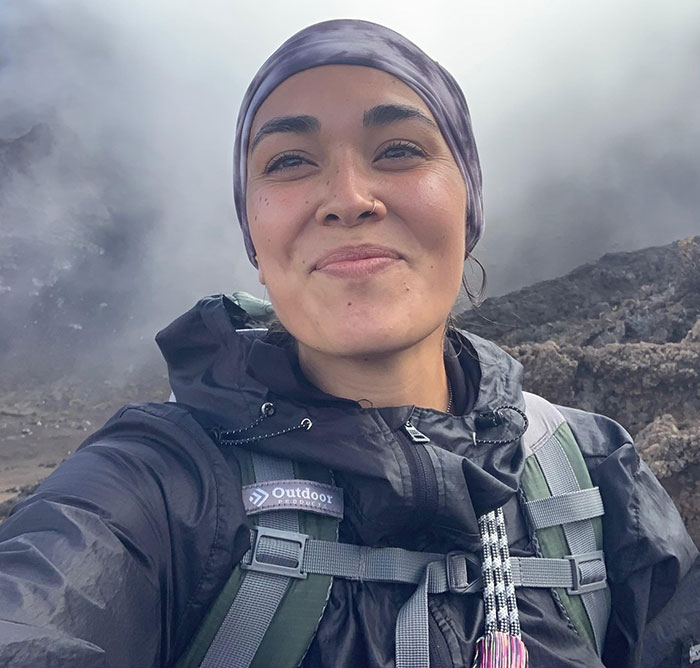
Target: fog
{"type": "Point", "coordinates": [116, 130]}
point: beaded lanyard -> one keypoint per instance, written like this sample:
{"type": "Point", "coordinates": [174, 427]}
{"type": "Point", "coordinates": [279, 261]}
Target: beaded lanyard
{"type": "Point", "coordinates": [501, 646]}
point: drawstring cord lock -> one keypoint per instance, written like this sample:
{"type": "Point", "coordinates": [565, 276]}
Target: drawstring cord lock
{"type": "Point", "coordinates": [494, 419]}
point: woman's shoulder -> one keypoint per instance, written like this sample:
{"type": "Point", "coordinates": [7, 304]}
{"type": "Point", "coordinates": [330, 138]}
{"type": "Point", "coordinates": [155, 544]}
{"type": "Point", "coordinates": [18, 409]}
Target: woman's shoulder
{"type": "Point", "coordinates": [596, 435]}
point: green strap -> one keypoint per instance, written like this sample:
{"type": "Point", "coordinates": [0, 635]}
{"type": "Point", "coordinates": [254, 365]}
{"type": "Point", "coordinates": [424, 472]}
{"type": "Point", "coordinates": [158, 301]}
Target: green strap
{"type": "Point", "coordinates": [552, 540]}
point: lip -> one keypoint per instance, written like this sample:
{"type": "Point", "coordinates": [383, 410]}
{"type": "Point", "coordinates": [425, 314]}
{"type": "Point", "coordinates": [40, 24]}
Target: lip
{"type": "Point", "coordinates": [361, 255]}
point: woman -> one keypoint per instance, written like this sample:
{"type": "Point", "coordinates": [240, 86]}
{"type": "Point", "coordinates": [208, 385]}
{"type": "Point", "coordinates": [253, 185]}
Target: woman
{"type": "Point", "coordinates": [358, 189]}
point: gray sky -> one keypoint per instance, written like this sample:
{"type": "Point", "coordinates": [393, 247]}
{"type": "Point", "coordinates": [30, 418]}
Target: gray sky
{"type": "Point", "coordinates": [586, 116]}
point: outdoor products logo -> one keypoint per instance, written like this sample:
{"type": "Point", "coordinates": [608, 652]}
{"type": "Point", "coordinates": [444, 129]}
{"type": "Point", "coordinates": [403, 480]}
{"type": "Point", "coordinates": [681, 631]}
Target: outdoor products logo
{"type": "Point", "coordinates": [315, 497]}
{"type": "Point", "coordinates": [258, 497]}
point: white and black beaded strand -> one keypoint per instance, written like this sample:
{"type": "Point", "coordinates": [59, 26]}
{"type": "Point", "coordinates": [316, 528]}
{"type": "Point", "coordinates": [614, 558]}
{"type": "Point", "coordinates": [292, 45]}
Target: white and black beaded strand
{"type": "Point", "coordinates": [487, 568]}
{"type": "Point", "coordinates": [498, 581]}
{"type": "Point", "coordinates": [511, 602]}
{"type": "Point", "coordinates": [501, 646]}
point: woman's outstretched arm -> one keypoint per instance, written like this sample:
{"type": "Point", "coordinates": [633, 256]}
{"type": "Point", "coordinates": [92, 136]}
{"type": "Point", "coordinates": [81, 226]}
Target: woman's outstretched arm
{"type": "Point", "coordinates": [115, 558]}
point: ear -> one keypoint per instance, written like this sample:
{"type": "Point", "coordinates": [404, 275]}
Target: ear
{"type": "Point", "coordinates": [261, 276]}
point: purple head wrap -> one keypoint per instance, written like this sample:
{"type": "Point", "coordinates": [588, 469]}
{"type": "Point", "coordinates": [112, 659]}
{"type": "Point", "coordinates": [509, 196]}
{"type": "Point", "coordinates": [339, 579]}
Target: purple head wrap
{"type": "Point", "coordinates": [354, 42]}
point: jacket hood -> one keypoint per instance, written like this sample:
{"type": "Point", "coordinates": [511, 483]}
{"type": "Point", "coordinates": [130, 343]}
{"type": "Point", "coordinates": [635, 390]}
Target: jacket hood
{"type": "Point", "coordinates": [222, 342]}
{"type": "Point", "coordinates": [227, 370]}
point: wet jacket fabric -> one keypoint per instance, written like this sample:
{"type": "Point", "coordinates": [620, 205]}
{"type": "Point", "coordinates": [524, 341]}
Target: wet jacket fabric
{"type": "Point", "coordinates": [117, 556]}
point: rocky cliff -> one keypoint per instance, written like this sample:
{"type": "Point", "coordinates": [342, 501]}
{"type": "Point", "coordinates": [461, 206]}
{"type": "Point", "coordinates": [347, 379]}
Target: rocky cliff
{"type": "Point", "coordinates": [620, 337]}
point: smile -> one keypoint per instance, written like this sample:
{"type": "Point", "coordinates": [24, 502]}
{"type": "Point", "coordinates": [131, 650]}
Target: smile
{"type": "Point", "coordinates": [357, 261]}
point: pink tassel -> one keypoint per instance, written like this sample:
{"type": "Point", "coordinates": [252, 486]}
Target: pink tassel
{"type": "Point", "coordinates": [500, 650]}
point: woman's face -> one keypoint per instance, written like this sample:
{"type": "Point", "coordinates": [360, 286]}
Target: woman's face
{"type": "Point", "coordinates": [326, 145]}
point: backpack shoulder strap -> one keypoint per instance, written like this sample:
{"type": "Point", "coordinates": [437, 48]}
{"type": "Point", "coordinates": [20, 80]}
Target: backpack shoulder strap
{"type": "Point", "coordinates": [564, 510]}
{"type": "Point", "coordinates": [269, 618]}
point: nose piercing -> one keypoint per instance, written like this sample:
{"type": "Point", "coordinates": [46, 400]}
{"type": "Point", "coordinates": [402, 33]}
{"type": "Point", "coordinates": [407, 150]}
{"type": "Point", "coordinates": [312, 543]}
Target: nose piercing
{"type": "Point", "coordinates": [374, 206]}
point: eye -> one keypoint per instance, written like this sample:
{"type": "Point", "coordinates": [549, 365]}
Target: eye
{"type": "Point", "coordinates": [401, 149]}
{"type": "Point", "coordinates": [285, 162]}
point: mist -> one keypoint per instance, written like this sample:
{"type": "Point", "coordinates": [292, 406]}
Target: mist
{"type": "Point", "coordinates": [116, 132]}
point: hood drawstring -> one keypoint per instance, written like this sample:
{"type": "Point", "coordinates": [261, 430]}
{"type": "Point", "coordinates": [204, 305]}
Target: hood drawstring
{"type": "Point", "coordinates": [490, 420]}
{"type": "Point", "coordinates": [226, 437]}
{"type": "Point", "coordinates": [496, 418]}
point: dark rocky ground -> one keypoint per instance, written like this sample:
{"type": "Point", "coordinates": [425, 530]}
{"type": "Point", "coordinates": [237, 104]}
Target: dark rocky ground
{"type": "Point", "coordinates": [620, 336]}
{"type": "Point", "coordinates": [41, 426]}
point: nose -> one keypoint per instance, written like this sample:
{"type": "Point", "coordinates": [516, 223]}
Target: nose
{"type": "Point", "coordinates": [348, 198]}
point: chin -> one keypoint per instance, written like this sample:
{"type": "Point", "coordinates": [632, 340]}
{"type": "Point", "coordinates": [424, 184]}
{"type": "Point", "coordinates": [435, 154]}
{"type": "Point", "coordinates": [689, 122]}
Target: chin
{"type": "Point", "coordinates": [355, 335]}
{"type": "Point", "coordinates": [366, 323]}
{"type": "Point", "coordinates": [366, 344]}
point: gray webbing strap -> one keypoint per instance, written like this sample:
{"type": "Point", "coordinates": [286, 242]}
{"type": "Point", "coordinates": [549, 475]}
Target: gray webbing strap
{"type": "Point", "coordinates": [580, 536]}
{"type": "Point", "coordinates": [412, 635]}
{"type": "Point", "coordinates": [565, 508]}
{"type": "Point", "coordinates": [578, 574]}
{"type": "Point", "coordinates": [433, 573]}
{"type": "Point", "coordinates": [291, 554]}
{"type": "Point", "coordinates": [448, 572]}
{"type": "Point", "coordinates": [260, 593]}
{"type": "Point", "coordinates": [359, 562]}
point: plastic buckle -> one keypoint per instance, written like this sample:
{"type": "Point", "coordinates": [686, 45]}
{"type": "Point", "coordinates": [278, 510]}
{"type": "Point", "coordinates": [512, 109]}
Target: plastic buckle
{"type": "Point", "coordinates": [457, 573]}
{"type": "Point", "coordinates": [265, 566]}
{"type": "Point", "coordinates": [577, 585]}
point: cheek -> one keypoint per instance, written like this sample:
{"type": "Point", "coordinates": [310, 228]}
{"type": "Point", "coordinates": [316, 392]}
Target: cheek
{"type": "Point", "coordinates": [276, 218]}
{"type": "Point", "coordinates": [269, 217]}
{"type": "Point", "coordinates": [265, 220]}
{"type": "Point", "coordinates": [440, 200]}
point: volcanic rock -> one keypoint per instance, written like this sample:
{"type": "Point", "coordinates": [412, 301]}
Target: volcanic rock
{"type": "Point", "coordinates": [620, 337]}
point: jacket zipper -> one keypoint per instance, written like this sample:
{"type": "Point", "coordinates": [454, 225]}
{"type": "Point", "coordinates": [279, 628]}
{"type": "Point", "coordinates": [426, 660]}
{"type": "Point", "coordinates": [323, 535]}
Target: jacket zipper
{"type": "Point", "coordinates": [422, 473]}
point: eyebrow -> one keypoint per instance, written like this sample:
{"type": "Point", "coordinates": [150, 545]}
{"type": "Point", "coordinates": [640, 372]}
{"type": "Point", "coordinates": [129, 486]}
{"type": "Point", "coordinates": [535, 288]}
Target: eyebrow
{"type": "Point", "coordinates": [382, 114]}
{"type": "Point", "coordinates": [299, 124]}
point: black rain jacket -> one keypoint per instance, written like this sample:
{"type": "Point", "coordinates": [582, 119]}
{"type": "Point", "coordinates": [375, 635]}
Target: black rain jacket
{"type": "Point", "coordinates": [117, 556]}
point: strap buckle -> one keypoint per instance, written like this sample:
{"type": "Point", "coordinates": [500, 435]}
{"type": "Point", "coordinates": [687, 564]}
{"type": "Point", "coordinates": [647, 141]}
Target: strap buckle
{"type": "Point", "coordinates": [268, 555]}
{"type": "Point", "coordinates": [588, 579]}
{"type": "Point", "coordinates": [457, 573]}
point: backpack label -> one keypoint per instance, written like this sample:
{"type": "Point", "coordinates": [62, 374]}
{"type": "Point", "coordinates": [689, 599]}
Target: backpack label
{"type": "Point", "coordinates": [309, 495]}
